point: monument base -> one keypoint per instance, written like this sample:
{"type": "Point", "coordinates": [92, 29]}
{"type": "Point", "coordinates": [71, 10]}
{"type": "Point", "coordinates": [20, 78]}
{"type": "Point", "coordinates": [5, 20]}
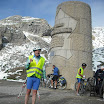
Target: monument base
{"type": "Point", "coordinates": [69, 74]}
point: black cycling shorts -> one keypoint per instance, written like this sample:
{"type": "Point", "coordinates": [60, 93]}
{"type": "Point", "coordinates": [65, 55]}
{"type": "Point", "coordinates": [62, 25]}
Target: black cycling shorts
{"type": "Point", "coordinates": [55, 77]}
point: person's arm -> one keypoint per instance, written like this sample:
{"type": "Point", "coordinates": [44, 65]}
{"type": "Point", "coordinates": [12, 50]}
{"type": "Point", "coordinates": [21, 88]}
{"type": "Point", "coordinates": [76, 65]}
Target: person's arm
{"type": "Point", "coordinates": [27, 64]}
{"type": "Point", "coordinates": [80, 73]}
{"type": "Point", "coordinates": [56, 70]}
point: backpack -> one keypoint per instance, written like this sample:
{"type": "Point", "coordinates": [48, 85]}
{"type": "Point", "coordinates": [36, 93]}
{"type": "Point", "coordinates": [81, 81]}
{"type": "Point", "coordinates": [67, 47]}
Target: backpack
{"type": "Point", "coordinates": [62, 80]}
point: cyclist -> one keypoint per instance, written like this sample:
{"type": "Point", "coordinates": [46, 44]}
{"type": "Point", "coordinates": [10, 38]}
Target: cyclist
{"type": "Point", "coordinates": [34, 66]}
{"type": "Point", "coordinates": [99, 75]}
{"type": "Point", "coordinates": [55, 77]}
{"type": "Point", "coordinates": [80, 75]}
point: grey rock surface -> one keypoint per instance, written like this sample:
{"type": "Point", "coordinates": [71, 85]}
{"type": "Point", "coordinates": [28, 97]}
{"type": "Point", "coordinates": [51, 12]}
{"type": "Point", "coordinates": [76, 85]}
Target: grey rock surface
{"type": "Point", "coordinates": [18, 36]}
{"type": "Point", "coordinates": [11, 28]}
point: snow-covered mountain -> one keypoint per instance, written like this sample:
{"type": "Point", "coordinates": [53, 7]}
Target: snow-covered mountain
{"type": "Point", "coordinates": [98, 47]}
{"type": "Point", "coordinates": [18, 36]}
{"type": "Point", "coordinates": [98, 37]}
{"type": "Point", "coordinates": [11, 29]}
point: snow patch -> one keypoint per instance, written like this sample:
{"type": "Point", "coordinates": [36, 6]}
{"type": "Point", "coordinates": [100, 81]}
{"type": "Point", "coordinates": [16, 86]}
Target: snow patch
{"type": "Point", "coordinates": [3, 74]}
{"type": "Point", "coordinates": [98, 47]}
{"type": "Point", "coordinates": [27, 34]}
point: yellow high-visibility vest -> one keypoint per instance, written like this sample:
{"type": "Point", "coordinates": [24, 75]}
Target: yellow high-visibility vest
{"type": "Point", "coordinates": [35, 69]}
{"type": "Point", "coordinates": [78, 76]}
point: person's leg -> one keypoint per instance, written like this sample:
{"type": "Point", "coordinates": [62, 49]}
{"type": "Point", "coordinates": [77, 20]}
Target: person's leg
{"type": "Point", "coordinates": [56, 77]}
{"type": "Point", "coordinates": [55, 83]}
{"type": "Point", "coordinates": [79, 82]}
{"type": "Point", "coordinates": [36, 83]}
{"type": "Point", "coordinates": [100, 84]}
{"type": "Point", "coordinates": [29, 86]}
{"type": "Point", "coordinates": [78, 88]}
{"type": "Point", "coordinates": [51, 83]}
{"type": "Point", "coordinates": [34, 96]}
{"type": "Point", "coordinates": [27, 95]}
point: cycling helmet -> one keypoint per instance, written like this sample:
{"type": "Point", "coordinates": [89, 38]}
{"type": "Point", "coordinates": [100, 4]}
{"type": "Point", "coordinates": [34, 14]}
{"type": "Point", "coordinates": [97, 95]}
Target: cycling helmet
{"type": "Point", "coordinates": [37, 48]}
{"type": "Point", "coordinates": [84, 64]}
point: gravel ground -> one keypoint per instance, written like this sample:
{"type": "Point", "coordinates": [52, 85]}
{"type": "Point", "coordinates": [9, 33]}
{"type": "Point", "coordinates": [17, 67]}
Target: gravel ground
{"type": "Point", "coordinates": [10, 90]}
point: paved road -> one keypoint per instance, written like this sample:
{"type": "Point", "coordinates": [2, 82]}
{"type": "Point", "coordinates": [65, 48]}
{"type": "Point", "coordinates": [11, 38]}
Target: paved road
{"type": "Point", "coordinates": [10, 90]}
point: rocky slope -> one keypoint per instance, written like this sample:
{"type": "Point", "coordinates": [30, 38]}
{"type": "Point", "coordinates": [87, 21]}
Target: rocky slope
{"type": "Point", "coordinates": [18, 36]}
{"type": "Point", "coordinates": [98, 47]}
{"type": "Point", "coordinates": [11, 29]}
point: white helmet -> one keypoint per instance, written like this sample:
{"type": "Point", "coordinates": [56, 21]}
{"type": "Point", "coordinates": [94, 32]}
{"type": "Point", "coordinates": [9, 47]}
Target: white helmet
{"type": "Point", "coordinates": [37, 48]}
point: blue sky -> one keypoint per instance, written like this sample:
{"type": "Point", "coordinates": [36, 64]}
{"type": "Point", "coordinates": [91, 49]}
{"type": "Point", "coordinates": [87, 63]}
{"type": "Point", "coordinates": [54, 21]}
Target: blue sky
{"type": "Point", "coordinates": [47, 9]}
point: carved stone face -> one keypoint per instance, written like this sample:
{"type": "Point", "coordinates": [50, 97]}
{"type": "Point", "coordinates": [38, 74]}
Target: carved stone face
{"type": "Point", "coordinates": [64, 26]}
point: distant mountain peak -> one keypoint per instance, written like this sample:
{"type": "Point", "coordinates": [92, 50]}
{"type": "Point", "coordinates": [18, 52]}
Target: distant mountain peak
{"type": "Point", "coordinates": [98, 47]}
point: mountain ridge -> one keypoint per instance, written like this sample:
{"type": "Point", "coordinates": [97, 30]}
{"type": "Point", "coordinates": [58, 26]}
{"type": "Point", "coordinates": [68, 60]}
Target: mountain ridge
{"type": "Point", "coordinates": [19, 35]}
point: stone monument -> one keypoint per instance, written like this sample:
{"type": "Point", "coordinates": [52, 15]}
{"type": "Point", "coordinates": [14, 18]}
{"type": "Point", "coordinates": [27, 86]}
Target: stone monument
{"type": "Point", "coordinates": [71, 43]}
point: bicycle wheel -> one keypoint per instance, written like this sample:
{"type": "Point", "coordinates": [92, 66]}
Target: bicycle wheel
{"type": "Point", "coordinates": [48, 82]}
{"type": "Point", "coordinates": [81, 88]}
{"type": "Point", "coordinates": [87, 86]}
{"type": "Point", "coordinates": [91, 81]}
{"type": "Point", "coordinates": [76, 85]}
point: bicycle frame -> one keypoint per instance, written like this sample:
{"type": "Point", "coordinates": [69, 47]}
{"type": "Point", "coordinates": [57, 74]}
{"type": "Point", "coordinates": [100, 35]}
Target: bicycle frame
{"type": "Point", "coordinates": [83, 86]}
{"type": "Point", "coordinates": [48, 82]}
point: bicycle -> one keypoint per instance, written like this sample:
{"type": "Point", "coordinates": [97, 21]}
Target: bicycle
{"type": "Point", "coordinates": [61, 82]}
{"type": "Point", "coordinates": [47, 82]}
{"type": "Point", "coordinates": [42, 82]}
{"type": "Point", "coordinates": [85, 85]}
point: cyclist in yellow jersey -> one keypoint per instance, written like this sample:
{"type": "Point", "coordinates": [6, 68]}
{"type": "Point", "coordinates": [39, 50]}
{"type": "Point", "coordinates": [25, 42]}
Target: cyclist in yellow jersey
{"type": "Point", "coordinates": [80, 75]}
{"type": "Point", "coordinates": [34, 66]}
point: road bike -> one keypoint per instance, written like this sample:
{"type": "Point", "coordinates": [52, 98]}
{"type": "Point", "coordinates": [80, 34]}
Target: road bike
{"type": "Point", "coordinates": [85, 85]}
{"type": "Point", "coordinates": [61, 82]}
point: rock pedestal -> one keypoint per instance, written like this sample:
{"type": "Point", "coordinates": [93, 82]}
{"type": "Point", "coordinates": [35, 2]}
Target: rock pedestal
{"type": "Point", "coordinates": [71, 43]}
